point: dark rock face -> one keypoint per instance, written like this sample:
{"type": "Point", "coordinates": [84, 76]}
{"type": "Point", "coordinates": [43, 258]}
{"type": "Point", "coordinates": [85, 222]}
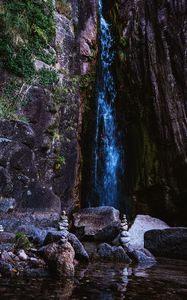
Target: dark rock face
{"type": "Point", "coordinates": [39, 159]}
{"type": "Point", "coordinates": [171, 242]}
{"type": "Point", "coordinates": [99, 223]}
{"type": "Point", "coordinates": [151, 78]}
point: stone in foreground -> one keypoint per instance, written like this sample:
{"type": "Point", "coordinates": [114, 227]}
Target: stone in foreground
{"type": "Point", "coordinates": [59, 258]}
{"type": "Point", "coordinates": [170, 242]}
{"type": "Point", "coordinates": [99, 223]}
{"type": "Point", "coordinates": [142, 224]}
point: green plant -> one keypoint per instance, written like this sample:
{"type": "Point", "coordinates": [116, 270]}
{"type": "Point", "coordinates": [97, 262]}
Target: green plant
{"type": "Point", "coordinates": [22, 241]}
{"type": "Point", "coordinates": [47, 77]}
{"type": "Point", "coordinates": [27, 26]}
{"type": "Point", "coordinates": [60, 161]}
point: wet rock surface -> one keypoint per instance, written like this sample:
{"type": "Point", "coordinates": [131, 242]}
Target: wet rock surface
{"type": "Point", "coordinates": [170, 243]}
{"type": "Point", "coordinates": [99, 224]}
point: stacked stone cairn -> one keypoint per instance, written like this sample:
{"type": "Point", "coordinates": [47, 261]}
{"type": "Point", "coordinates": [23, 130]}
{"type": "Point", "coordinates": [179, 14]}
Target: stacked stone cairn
{"type": "Point", "coordinates": [64, 225]}
{"type": "Point", "coordinates": [124, 234]}
{"type": "Point", "coordinates": [1, 228]}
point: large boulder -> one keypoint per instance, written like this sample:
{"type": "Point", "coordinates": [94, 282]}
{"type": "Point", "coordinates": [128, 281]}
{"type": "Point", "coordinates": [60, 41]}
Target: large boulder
{"type": "Point", "coordinates": [97, 223]}
{"type": "Point", "coordinates": [59, 258]}
{"type": "Point", "coordinates": [109, 253]}
{"type": "Point", "coordinates": [142, 224]}
{"type": "Point", "coordinates": [170, 242]}
{"type": "Point", "coordinates": [55, 236]}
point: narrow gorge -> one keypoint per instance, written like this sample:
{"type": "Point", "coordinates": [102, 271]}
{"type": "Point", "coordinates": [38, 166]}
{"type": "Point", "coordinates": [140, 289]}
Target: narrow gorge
{"type": "Point", "coordinates": [93, 148]}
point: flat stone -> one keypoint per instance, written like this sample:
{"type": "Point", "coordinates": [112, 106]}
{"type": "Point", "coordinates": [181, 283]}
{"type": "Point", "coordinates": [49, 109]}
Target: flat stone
{"type": "Point", "coordinates": [125, 233]}
{"type": "Point", "coordinates": [142, 224]}
{"type": "Point", "coordinates": [124, 240]}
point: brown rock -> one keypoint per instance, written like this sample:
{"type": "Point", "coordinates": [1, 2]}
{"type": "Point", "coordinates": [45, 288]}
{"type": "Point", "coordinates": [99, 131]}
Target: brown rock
{"type": "Point", "coordinates": [59, 258]}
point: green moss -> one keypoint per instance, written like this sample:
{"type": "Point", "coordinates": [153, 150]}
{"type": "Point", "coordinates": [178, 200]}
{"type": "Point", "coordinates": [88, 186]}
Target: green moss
{"type": "Point", "coordinates": [47, 77]}
{"type": "Point", "coordinates": [27, 26]}
{"type": "Point", "coordinates": [59, 163]}
{"type": "Point", "coordinates": [12, 99]}
{"type": "Point", "coordinates": [22, 241]}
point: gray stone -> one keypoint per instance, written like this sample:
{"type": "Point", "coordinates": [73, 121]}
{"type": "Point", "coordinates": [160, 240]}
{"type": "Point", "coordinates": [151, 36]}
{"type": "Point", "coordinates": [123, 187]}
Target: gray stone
{"type": "Point", "coordinates": [7, 204]}
{"type": "Point", "coordinates": [99, 223]}
{"type": "Point", "coordinates": [125, 234]}
{"type": "Point", "coordinates": [22, 255]}
{"type": "Point", "coordinates": [116, 254]}
{"type": "Point", "coordinates": [143, 257]}
{"type": "Point", "coordinates": [55, 236]}
{"type": "Point", "coordinates": [170, 242]}
{"type": "Point", "coordinates": [124, 240]}
{"type": "Point", "coordinates": [141, 224]}
{"type": "Point", "coordinates": [80, 252]}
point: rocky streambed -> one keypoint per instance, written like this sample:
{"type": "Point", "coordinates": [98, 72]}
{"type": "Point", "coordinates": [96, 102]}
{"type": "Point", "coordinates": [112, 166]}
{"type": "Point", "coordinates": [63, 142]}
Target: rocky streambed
{"type": "Point", "coordinates": [89, 254]}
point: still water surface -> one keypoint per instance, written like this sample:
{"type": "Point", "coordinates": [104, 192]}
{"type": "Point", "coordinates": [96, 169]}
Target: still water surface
{"type": "Point", "coordinates": [102, 281]}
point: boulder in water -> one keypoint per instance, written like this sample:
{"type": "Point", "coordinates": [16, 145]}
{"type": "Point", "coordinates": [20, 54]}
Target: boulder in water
{"type": "Point", "coordinates": [170, 242]}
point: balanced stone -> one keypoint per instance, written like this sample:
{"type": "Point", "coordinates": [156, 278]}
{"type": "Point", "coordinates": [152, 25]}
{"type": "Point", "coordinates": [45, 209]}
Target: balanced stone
{"type": "Point", "coordinates": [125, 234]}
{"type": "Point", "coordinates": [125, 240]}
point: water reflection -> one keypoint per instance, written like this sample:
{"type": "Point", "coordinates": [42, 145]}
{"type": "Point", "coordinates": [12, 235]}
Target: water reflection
{"type": "Point", "coordinates": [101, 281]}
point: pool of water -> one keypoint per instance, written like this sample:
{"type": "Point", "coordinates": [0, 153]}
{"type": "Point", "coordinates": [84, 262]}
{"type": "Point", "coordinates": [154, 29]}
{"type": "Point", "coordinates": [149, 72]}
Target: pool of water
{"type": "Point", "coordinates": [102, 281]}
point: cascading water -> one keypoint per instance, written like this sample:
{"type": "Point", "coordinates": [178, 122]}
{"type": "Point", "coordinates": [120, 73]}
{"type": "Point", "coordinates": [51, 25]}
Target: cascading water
{"type": "Point", "coordinates": [107, 156]}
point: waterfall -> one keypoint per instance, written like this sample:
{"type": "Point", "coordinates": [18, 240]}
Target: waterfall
{"type": "Point", "coordinates": [106, 151]}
